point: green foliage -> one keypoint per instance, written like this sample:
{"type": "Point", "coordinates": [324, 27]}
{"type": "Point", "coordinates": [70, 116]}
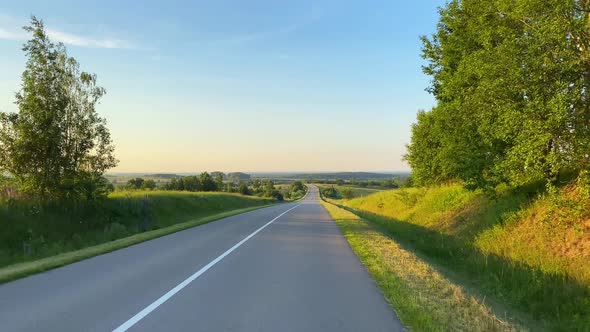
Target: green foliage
{"type": "Point", "coordinates": [511, 80]}
{"type": "Point", "coordinates": [295, 191]}
{"type": "Point", "coordinates": [330, 192]}
{"type": "Point", "coordinates": [229, 187]}
{"type": "Point", "coordinates": [498, 245]}
{"type": "Point", "coordinates": [149, 184]}
{"type": "Point", "coordinates": [207, 182]}
{"type": "Point", "coordinates": [243, 189]}
{"type": "Point", "coordinates": [33, 229]}
{"type": "Point", "coordinates": [297, 186]}
{"type": "Point", "coordinates": [269, 190]}
{"type": "Point", "coordinates": [56, 146]}
{"type": "Point", "coordinates": [135, 183]}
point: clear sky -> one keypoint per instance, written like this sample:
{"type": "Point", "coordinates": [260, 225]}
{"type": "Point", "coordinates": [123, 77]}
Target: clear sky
{"type": "Point", "coordinates": [232, 85]}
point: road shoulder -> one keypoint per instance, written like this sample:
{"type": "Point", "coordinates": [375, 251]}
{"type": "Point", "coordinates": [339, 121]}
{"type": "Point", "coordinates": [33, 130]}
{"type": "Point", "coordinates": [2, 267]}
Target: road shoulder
{"type": "Point", "coordinates": [423, 299]}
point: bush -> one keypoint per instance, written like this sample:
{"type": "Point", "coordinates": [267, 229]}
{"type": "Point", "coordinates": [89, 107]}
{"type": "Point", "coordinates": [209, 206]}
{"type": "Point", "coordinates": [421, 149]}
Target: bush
{"type": "Point", "coordinates": [243, 189]}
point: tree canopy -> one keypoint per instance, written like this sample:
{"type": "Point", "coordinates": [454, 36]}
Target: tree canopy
{"type": "Point", "coordinates": [511, 82]}
{"type": "Point", "coordinates": [56, 145]}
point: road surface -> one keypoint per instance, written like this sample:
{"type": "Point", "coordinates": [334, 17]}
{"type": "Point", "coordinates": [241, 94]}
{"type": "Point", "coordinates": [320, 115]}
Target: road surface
{"type": "Point", "coordinates": [282, 268]}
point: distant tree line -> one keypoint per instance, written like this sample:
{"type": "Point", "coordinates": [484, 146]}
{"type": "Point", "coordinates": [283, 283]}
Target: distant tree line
{"type": "Point", "coordinates": [202, 182]}
{"type": "Point", "coordinates": [214, 181]}
{"type": "Point", "coordinates": [512, 83]}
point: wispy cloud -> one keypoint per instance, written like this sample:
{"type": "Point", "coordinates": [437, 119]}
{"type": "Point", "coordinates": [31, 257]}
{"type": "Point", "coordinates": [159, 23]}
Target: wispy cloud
{"type": "Point", "coordinates": [83, 41]}
{"type": "Point", "coordinates": [255, 36]}
{"type": "Point", "coordinates": [12, 35]}
{"type": "Point", "coordinates": [11, 32]}
{"type": "Point", "coordinates": [315, 14]}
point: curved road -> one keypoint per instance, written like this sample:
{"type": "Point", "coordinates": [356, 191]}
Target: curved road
{"type": "Point", "coordinates": [282, 268]}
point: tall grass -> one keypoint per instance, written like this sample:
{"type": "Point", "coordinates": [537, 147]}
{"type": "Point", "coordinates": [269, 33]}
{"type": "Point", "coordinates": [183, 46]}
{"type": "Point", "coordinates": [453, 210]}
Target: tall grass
{"type": "Point", "coordinates": [497, 245]}
{"type": "Point", "coordinates": [31, 230]}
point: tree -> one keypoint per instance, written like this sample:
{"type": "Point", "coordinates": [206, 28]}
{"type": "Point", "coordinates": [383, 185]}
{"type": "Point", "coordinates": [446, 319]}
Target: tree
{"type": "Point", "coordinates": [207, 182]}
{"type": "Point", "coordinates": [191, 183]}
{"type": "Point", "coordinates": [297, 186]}
{"type": "Point", "coordinates": [257, 186]}
{"type": "Point", "coordinates": [511, 80]}
{"type": "Point", "coordinates": [56, 146]}
{"type": "Point", "coordinates": [229, 187]}
{"type": "Point", "coordinates": [149, 184]}
{"type": "Point", "coordinates": [243, 189]}
{"type": "Point", "coordinates": [135, 183]}
{"type": "Point", "coordinates": [172, 185]}
{"type": "Point", "coordinates": [218, 177]}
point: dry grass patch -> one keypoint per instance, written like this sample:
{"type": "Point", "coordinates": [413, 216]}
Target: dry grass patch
{"type": "Point", "coordinates": [423, 298]}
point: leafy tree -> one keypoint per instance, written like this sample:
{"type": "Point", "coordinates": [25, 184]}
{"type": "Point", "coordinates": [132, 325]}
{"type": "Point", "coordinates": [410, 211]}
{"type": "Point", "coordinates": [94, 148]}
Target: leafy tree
{"type": "Point", "coordinates": [330, 192]}
{"type": "Point", "coordinates": [56, 146]}
{"type": "Point", "coordinates": [191, 183]}
{"type": "Point", "coordinates": [207, 182]}
{"type": "Point", "coordinates": [136, 183]}
{"type": "Point", "coordinates": [218, 177]}
{"type": "Point", "coordinates": [297, 186]}
{"type": "Point", "coordinates": [180, 184]}
{"type": "Point", "coordinates": [229, 187]}
{"type": "Point", "coordinates": [257, 186]}
{"type": "Point", "coordinates": [243, 189]}
{"type": "Point", "coordinates": [172, 185]}
{"type": "Point", "coordinates": [149, 184]}
{"type": "Point", "coordinates": [511, 80]}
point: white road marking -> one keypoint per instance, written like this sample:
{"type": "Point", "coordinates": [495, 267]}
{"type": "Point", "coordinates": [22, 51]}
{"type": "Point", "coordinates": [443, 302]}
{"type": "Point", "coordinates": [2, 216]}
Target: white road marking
{"type": "Point", "coordinates": [140, 315]}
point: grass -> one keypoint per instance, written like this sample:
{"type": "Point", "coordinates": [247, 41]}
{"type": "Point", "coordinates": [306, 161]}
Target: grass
{"type": "Point", "coordinates": [356, 191]}
{"type": "Point", "coordinates": [32, 231]}
{"type": "Point", "coordinates": [510, 248]}
{"type": "Point", "coordinates": [16, 271]}
{"type": "Point", "coordinates": [423, 299]}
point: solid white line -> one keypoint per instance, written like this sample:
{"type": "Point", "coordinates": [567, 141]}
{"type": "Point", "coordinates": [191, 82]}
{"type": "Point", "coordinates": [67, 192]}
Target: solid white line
{"type": "Point", "coordinates": [140, 315]}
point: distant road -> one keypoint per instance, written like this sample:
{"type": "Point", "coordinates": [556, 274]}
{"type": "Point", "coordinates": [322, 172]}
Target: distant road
{"type": "Point", "coordinates": [282, 268]}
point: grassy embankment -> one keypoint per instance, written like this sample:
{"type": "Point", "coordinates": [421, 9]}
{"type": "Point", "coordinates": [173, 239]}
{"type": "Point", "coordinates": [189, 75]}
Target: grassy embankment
{"type": "Point", "coordinates": [35, 237]}
{"type": "Point", "coordinates": [527, 255]}
{"type": "Point", "coordinates": [423, 298]}
{"type": "Point", "coordinates": [355, 191]}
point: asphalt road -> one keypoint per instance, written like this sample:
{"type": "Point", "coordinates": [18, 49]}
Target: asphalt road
{"type": "Point", "coordinates": [250, 272]}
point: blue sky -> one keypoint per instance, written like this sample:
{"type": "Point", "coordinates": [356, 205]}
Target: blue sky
{"type": "Point", "coordinates": [242, 85]}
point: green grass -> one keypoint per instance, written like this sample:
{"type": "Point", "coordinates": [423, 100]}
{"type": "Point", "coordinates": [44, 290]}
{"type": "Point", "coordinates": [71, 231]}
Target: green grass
{"type": "Point", "coordinates": [30, 231]}
{"type": "Point", "coordinates": [423, 299]}
{"type": "Point", "coordinates": [497, 246]}
{"type": "Point", "coordinates": [355, 190]}
{"type": "Point", "coordinates": [16, 271]}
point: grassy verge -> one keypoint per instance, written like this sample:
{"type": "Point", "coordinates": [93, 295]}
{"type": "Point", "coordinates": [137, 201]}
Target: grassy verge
{"type": "Point", "coordinates": [16, 271]}
{"type": "Point", "coordinates": [351, 191]}
{"type": "Point", "coordinates": [423, 298]}
{"type": "Point", "coordinates": [511, 248]}
{"type": "Point", "coordinates": [30, 231]}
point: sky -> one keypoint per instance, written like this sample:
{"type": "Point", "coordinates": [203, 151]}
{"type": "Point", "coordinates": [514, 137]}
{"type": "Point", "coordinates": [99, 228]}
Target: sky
{"type": "Point", "coordinates": [233, 85]}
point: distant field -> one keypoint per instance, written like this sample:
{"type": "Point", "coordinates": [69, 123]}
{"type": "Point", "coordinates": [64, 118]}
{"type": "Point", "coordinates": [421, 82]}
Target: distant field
{"type": "Point", "coordinates": [30, 231]}
{"type": "Point", "coordinates": [513, 249]}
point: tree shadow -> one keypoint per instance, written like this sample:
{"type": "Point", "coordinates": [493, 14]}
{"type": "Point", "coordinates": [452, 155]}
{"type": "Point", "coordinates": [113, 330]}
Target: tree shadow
{"type": "Point", "coordinates": [555, 301]}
